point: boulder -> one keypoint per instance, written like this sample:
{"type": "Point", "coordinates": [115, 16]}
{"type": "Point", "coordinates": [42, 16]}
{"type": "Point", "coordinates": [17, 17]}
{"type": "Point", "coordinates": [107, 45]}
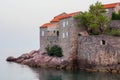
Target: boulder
{"type": "Point", "coordinates": [11, 59]}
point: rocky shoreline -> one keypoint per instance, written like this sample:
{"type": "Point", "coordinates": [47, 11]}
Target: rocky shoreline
{"type": "Point", "coordinates": [36, 59]}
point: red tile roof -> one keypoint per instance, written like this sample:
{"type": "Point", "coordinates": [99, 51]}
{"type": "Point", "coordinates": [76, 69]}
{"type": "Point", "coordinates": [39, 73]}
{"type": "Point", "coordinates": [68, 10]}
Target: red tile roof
{"type": "Point", "coordinates": [58, 18]}
{"type": "Point", "coordinates": [55, 20]}
{"type": "Point", "coordinates": [45, 25]}
{"type": "Point", "coordinates": [69, 15]}
{"type": "Point", "coordinates": [112, 5]}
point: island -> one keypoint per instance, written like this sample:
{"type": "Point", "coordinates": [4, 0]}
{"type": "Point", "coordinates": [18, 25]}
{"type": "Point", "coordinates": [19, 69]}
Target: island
{"type": "Point", "coordinates": [79, 41]}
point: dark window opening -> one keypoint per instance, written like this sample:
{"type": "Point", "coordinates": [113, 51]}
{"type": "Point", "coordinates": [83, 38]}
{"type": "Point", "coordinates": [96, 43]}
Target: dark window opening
{"type": "Point", "coordinates": [79, 34]}
{"type": "Point", "coordinates": [57, 33]}
{"type": "Point", "coordinates": [103, 42]}
{"type": "Point", "coordinates": [54, 31]}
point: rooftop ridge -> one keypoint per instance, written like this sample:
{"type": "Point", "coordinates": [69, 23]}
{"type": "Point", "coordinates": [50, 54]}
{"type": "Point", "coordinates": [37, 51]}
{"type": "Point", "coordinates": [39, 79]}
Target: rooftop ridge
{"type": "Point", "coordinates": [111, 5]}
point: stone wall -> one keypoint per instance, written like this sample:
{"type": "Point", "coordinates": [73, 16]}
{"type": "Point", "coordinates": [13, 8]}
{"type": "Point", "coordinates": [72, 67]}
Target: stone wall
{"type": "Point", "coordinates": [115, 24]}
{"type": "Point", "coordinates": [46, 40]}
{"type": "Point", "coordinates": [69, 42]}
{"type": "Point", "coordinates": [52, 40]}
{"type": "Point", "coordinates": [98, 51]}
{"type": "Point", "coordinates": [43, 39]}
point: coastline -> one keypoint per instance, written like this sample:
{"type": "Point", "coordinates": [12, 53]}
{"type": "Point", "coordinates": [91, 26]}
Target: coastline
{"type": "Point", "coordinates": [37, 59]}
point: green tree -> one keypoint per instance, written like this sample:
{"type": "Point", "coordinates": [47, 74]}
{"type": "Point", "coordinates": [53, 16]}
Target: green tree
{"type": "Point", "coordinates": [94, 21]}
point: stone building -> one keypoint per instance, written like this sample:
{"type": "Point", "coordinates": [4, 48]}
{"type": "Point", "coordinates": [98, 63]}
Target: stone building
{"type": "Point", "coordinates": [49, 33]}
{"type": "Point", "coordinates": [63, 30]}
{"type": "Point", "coordinates": [110, 8]}
{"type": "Point", "coordinates": [68, 34]}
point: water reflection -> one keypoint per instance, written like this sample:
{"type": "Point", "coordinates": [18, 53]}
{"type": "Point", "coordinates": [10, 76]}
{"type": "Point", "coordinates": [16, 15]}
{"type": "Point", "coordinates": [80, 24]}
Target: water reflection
{"type": "Point", "coordinates": [50, 74]}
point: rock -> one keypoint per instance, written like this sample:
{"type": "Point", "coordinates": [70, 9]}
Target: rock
{"type": "Point", "coordinates": [114, 71]}
{"type": "Point", "coordinates": [25, 56]}
{"type": "Point", "coordinates": [119, 72]}
{"type": "Point", "coordinates": [11, 59]}
{"type": "Point", "coordinates": [103, 70]}
{"type": "Point", "coordinates": [33, 52]}
{"type": "Point", "coordinates": [19, 60]}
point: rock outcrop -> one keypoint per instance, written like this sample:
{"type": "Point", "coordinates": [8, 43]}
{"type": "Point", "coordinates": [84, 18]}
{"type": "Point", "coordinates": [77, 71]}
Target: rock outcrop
{"type": "Point", "coordinates": [38, 59]}
{"type": "Point", "coordinates": [11, 59]}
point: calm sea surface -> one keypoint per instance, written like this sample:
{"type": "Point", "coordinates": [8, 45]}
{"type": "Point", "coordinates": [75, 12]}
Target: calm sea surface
{"type": "Point", "coordinates": [13, 71]}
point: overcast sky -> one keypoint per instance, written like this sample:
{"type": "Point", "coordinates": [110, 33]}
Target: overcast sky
{"type": "Point", "coordinates": [20, 19]}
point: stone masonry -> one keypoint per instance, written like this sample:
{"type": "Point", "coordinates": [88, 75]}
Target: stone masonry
{"type": "Point", "coordinates": [69, 43]}
{"type": "Point", "coordinates": [99, 50]}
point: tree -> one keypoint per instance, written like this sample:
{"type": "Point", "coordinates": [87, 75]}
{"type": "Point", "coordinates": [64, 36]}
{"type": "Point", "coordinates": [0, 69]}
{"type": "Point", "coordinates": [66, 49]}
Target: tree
{"type": "Point", "coordinates": [94, 20]}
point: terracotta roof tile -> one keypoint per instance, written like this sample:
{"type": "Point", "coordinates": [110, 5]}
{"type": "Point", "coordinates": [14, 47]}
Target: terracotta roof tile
{"type": "Point", "coordinates": [58, 18]}
{"type": "Point", "coordinates": [112, 5]}
{"type": "Point", "coordinates": [45, 25]}
{"type": "Point", "coordinates": [69, 15]}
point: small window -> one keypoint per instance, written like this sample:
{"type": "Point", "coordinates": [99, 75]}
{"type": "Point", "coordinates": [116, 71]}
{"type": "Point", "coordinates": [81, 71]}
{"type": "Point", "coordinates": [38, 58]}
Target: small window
{"type": "Point", "coordinates": [43, 33]}
{"type": "Point", "coordinates": [66, 22]}
{"type": "Point", "coordinates": [54, 31]}
{"type": "Point", "coordinates": [67, 34]}
{"type": "Point", "coordinates": [107, 10]}
{"type": "Point", "coordinates": [79, 34]}
{"type": "Point", "coordinates": [63, 24]}
{"type": "Point", "coordinates": [63, 35]}
{"type": "Point", "coordinates": [103, 42]}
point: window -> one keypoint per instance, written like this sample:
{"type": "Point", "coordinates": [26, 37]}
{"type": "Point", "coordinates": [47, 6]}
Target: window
{"type": "Point", "coordinates": [43, 33]}
{"type": "Point", "coordinates": [63, 24]}
{"type": "Point", "coordinates": [103, 42]}
{"type": "Point", "coordinates": [67, 34]}
{"type": "Point", "coordinates": [107, 10]}
{"type": "Point", "coordinates": [63, 35]}
{"type": "Point", "coordinates": [66, 22]}
{"type": "Point", "coordinates": [54, 31]}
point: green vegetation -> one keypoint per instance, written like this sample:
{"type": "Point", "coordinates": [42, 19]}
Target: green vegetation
{"type": "Point", "coordinates": [54, 51]}
{"type": "Point", "coordinates": [93, 21]}
{"type": "Point", "coordinates": [116, 16]}
{"type": "Point", "coordinates": [113, 32]}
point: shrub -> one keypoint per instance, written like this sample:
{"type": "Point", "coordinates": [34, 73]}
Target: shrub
{"type": "Point", "coordinates": [113, 32]}
{"type": "Point", "coordinates": [116, 16]}
{"type": "Point", "coordinates": [54, 51]}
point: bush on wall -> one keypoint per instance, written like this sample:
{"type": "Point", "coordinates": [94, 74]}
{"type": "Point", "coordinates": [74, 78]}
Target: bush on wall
{"type": "Point", "coordinates": [54, 51]}
{"type": "Point", "coordinates": [116, 16]}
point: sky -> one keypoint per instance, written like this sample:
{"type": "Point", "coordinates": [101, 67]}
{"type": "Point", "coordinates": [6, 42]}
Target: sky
{"type": "Point", "coordinates": [20, 19]}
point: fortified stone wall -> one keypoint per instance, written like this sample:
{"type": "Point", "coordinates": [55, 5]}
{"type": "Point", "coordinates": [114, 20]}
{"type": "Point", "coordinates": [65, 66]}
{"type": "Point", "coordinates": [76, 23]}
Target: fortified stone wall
{"type": "Point", "coordinates": [98, 51]}
{"type": "Point", "coordinates": [115, 24]}
{"type": "Point", "coordinates": [43, 39]}
{"type": "Point", "coordinates": [47, 40]}
{"type": "Point", "coordinates": [52, 40]}
{"type": "Point", "coordinates": [68, 36]}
